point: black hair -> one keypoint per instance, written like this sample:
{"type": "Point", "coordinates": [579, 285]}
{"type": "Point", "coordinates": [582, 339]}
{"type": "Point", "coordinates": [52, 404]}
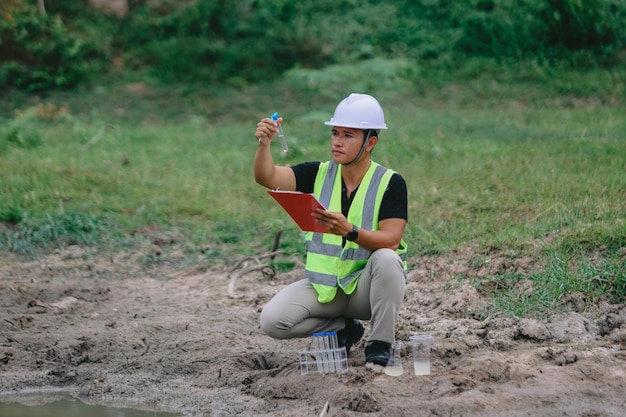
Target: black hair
{"type": "Point", "coordinates": [368, 133]}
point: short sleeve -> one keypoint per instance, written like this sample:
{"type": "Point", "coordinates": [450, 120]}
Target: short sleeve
{"type": "Point", "coordinates": [305, 176]}
{"type": "Point", "coordinates": [395, 200]}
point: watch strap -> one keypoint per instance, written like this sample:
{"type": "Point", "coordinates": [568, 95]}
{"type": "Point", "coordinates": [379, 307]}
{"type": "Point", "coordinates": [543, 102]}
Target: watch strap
{"type": "Point", "coordinates": [353, 234]}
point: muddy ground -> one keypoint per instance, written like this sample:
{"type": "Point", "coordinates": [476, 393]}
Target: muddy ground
{"type": "Point", "coordinates": [112, 330]}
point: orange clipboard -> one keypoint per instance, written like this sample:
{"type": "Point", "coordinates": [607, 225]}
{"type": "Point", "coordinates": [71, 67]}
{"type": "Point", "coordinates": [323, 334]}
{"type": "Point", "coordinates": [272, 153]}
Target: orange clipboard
{"type": "Point", "coordinates": [300, 206]}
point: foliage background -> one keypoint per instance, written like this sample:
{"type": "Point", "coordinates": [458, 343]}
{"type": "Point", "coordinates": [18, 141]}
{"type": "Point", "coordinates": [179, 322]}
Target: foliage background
{"type": "Point", "coordinates": [247, 41]}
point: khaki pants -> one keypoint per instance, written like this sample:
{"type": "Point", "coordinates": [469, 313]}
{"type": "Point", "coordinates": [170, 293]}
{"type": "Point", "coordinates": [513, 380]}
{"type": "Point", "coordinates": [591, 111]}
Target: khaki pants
{"type": "Point", "coordinates": [295, 312]}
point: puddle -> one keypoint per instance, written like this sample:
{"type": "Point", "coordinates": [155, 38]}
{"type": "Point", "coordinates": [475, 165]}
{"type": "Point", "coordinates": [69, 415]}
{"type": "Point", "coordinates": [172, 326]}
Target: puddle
{"type": "Point", "coordinates": [70, 408]}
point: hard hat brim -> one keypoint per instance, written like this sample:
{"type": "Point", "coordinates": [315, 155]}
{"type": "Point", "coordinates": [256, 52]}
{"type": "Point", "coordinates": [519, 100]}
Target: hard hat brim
{"type": "Point", "coordinates": [363, 125]}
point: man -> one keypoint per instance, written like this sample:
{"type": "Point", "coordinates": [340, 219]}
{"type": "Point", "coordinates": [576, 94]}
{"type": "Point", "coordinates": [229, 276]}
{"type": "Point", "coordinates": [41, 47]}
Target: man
{"type": "Point", "coordinates": [358, 269]}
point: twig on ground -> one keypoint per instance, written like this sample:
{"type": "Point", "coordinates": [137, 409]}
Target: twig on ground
{"type": "Point", "coordinates": [276, 241]}
{"type": "Point", "coordinates": [99, 136]}
{"type": "Point", "coordinates": [95, 138]}
{"type": "Point", "coordinates": [235, 273]}
{"type": "Point", "coordinates": [325, 410]}
{"type": "Point", "coordinates": [242, 268]}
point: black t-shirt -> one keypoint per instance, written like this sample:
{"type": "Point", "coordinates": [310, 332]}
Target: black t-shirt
{"type": "Point", "coordinates": [393, 206]}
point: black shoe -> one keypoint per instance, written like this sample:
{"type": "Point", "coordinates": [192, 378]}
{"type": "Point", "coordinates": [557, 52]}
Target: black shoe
{"type": "Point", "coordinates": [377, 352]}
{"type": "Point", "coordinates": [351, 334]}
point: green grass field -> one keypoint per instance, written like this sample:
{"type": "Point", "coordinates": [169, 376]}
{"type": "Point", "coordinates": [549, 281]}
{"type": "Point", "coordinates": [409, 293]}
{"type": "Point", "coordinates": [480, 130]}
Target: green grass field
{"type": "Point", "coordinates": [521, 160]}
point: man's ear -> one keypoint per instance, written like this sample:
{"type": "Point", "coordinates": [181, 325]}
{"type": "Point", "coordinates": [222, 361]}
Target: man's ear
{"type": "Point", "coordinates": [372, 141]}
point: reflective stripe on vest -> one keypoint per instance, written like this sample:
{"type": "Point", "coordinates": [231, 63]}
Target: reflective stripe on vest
{"type": "Point", "coordinates": [329, 264]}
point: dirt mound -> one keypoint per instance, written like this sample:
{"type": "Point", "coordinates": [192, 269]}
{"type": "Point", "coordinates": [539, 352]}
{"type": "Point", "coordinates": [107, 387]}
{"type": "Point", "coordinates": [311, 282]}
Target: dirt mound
{"type": "Point", "coordinates": [109, 331]}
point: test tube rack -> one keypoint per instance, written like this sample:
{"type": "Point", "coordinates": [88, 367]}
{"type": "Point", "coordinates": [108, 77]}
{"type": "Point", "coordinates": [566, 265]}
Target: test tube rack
{"type": "Point", "coordinates": [325, 357]}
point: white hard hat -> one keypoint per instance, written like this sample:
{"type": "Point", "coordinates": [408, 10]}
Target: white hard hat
{"type": "Point", "coordinates": [359, 111]}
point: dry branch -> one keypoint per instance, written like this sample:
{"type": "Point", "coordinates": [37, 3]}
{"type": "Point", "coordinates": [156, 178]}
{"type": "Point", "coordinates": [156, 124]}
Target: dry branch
{"type": "Point", "coordinates": [325, 410]}
{"type": "Point", "coordinates": [242, 268]}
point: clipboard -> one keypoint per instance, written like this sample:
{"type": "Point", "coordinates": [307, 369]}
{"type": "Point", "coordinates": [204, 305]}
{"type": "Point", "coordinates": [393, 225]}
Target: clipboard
{"type": "Point", "coordinates": [300, 206]}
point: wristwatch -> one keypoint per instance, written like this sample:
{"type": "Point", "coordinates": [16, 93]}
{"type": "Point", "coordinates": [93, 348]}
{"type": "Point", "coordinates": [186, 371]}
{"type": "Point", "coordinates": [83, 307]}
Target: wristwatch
{"type": "Point", "coordinates": [353, 234]}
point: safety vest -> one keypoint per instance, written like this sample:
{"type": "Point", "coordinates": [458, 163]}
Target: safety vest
{"type": "Point", "coordinates": [329, 264]}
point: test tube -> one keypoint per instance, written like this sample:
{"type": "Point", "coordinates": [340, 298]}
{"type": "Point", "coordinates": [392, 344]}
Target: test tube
{"type": "Point", "coordinates": [326, 356]}
{"type": "Point", "coordinates": [281, 134]}
{"type": "Point", "coordinates": [331, 353]}
{"type": "Point", "coordinates": [334, 346]}
{"type": "Point", "coordinates": [334, 343]}
{"type": "Point", "coordinates": [318, 347]}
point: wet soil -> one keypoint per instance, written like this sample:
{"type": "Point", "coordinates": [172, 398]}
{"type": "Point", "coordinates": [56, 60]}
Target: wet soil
{"type": "Point", "coordinates": [112, 331]}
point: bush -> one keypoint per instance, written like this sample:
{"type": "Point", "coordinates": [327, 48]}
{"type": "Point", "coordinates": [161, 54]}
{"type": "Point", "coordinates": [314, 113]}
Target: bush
{"type": "Point", "coordinates": [40, 53]}
{"type": "Point", "coordinates": [247, 41]}
{"type": "Point", "coordinates": [213, 41]}
{"type": "Point", "coordinates": [567, 31]}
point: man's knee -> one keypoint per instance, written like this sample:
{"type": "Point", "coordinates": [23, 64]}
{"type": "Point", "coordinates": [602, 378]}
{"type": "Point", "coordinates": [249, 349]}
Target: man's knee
{"type": "Point", "coordinates": [270, 325]}
{"type": "Point", "coordinates": [387, 258]}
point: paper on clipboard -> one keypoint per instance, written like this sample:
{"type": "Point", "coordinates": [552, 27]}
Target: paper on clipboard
{"type": "Point", "coordinates": [300, 206]}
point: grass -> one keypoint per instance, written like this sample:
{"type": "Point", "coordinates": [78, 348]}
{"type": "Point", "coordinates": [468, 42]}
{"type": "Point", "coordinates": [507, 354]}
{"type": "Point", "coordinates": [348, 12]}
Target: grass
{"type": "Point", "coordinates": [523, 159]}
{"type": "Point", "coordinates": [568, 281]}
